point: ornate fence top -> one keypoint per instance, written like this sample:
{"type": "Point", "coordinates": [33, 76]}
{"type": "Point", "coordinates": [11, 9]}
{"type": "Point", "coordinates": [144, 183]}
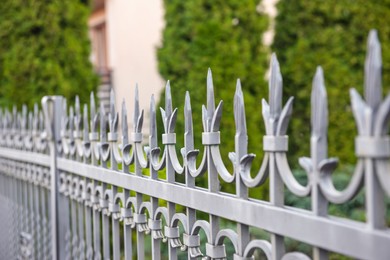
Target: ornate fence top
{"type": "Point", "coordinates": [110, 174]}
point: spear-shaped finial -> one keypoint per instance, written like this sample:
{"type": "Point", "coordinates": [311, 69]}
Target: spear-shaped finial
{"type": "Point", "coordinates": [153, 123]}
{"type": "Point", "coordinates": [210, 95]}
{"type": "Point", "coordinates": [188, 122]}
{"type": "Point", "coordinates": [77, 118]}
{"type": "Point", "coordinates": [168, 100]}
{"type": "Point", "coordinates": [71, 120]}
{"type": "Point", "coordinates": [112, 116]}
{"type": "Point", "coordinates": [77, 106]}
{"type": "Point", "coordinates": [112, 102]}
{"type": "Point", "coordinates": [136, 108]}
{"type": "Point", "coordinates": [36, 117]}
{"type": "Point", "coordinates": [7, 118]}
{"type": "Point", "coordinates": [103, 129]}
{"type": "Point", "coordinates": [275, 88]}
{"type": "Point", "coordinates": [24, 117]}
{"type": "Point", "coordinates": [188, 114]}
{"type": "Point", "coordinates": [125, 137]}
{"type": "Point", "coordinates": [14, 116]}
{"type": "Point", "coordinates": [86, 128]}
{"type": "Point", "coordinates": [373, 71]}
{"type": "Point", "coordinates": [30, 121]}
{"type": "Point", "coordinates": [18, 121]}
{"type": "Point", "coordinates": [92, 111]}
{"type": "Point", "coordinates": [319, 110]}
{"type": "Point", "coordinates": [239, 109]}
{"type": "Point", "coordinates": [36, 109]}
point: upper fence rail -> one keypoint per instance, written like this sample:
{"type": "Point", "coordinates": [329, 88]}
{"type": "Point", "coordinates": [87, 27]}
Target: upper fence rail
{"type": "Point", "coordinates": [104, 174]}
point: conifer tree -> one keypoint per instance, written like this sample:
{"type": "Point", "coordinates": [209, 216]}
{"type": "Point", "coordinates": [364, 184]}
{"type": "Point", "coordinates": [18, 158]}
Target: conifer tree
{"type": "Point", "coordinates": [225, 36]}
{"type": "Point", "coordinates": [44, 50]}
{"type": "Point", "coordinates": [332, 34]}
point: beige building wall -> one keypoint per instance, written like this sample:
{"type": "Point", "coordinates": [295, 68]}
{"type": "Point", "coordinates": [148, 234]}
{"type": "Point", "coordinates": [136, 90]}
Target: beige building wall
{"type": "Point", "coordinates": [134, 31]}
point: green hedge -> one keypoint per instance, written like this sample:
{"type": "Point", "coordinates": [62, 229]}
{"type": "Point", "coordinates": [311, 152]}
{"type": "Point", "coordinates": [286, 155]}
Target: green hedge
{"type": "Point", "coordinates": [44, 50]}
{"type": "Point", "coordinates": [332, 34]}
{"type": "Point", "coordinates": [226, 37]}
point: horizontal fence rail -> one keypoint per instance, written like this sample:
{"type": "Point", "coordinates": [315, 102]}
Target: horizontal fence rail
{"type": "Point", "coordinates": [71, 188]}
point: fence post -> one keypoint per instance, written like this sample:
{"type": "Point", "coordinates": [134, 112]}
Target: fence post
{"type": "Point", "coordinates": [52, 109]}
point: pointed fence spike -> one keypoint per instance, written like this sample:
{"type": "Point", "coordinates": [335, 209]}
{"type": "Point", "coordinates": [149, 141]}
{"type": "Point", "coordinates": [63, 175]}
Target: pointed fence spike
{"type": "Point", "coordinates": [77, 116]}
{"type": "Point", "coordinates": [168, 99]}
{"type": "Point", "coordinates": [136, 108]}
{"type": "Point", "coordinates": [18, 121]}
{"type": "Point", "coordinates": [77, 106]}
{"type": "Point", "coordinates": [14, 113]}
{"type": "Point", "coordinates": [152, 125]}
{"type": "Point", "coordinates": [86, 128]}
{"type": "Point", "coordinates": [112, 102]}
{"type": "Point", "coordinates": [236, 104]}
{"type": "Point", "coordinates": [8, 119]}
{"type": "Point", "coordinates": [24, 117]}
{"type": "Point", "coordinates": [239, 109]}
{"type": "Point", "coordinates": [24, 110]}
{"type": "Point", "coordinates": [189, 132]}
{"type": "Point", "coordinates": [103, 127]}
{"type": "Point", "coordinates": [188, 114]}
{"type": "Point", "coordinates": [92, 106]}
{"type": "Point", "coordinates": [36, 109]}
{"type": "Point", "coordinates": [36, 117]}
{"type": "Point", "coordinates": [124, 123]}
{"type": "Point", "coordinates": [319, 105]}
{"type": "Point", "coordinates": [373, 71]}
{"type": "Point", "coordinates": [30, 121]}
{"type": "Point", "coordinates": [275, 88]}
{"type": "Point", "coordinates": [71, 120]}
{"type": "Point", "coordinates": [210, 94]}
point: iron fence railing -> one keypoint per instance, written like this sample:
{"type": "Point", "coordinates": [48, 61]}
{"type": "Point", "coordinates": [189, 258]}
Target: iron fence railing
{"type": "Point", "coordinates": [70, 188]}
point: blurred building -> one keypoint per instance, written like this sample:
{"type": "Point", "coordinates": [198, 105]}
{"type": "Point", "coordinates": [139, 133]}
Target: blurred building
{"type": "Point", "coordinates": [125, 35]}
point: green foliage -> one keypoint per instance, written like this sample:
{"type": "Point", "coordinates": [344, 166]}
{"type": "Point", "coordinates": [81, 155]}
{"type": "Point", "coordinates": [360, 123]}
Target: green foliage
{"type": "Point", "coordinates": [225, 36]}
{"type": "Point", "coordinates": [331, 34]}
{"type": "Point", "coordinates": [44, 50]}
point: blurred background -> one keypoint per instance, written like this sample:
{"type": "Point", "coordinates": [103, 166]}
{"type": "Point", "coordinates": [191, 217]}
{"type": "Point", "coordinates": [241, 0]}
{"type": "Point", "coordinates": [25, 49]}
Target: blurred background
{"type": "Point", "coordinates": [74, 47]}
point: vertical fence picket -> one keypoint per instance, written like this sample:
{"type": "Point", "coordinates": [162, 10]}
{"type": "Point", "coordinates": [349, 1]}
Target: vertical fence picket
{"type": "Point", "coordinates": [113, 206]}
{"type": "Point", "coordinates": [103, 202]}
{"type": "Point", "coordinates": [375, 203]}
{"type": "Point", "coordinates": [43, 220]}
{"type": "Point", "coordinates": [126, 212]}
{"type": "Point", "coordinates": [155, 224]}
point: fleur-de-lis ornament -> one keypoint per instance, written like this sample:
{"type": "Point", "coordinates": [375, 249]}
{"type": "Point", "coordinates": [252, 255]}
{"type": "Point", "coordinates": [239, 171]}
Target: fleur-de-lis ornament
{"type": "Point", "coordinates": [169, 116]}
{"type": "Point", "coordinates": [136, 135]}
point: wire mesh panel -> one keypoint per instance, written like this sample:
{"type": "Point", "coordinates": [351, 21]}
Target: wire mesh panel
{"type": "Point", "coordinates": [114, 196]}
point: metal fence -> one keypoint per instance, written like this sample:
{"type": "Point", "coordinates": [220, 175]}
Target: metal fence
{"type": "Point", "coordinates": [70, 188]}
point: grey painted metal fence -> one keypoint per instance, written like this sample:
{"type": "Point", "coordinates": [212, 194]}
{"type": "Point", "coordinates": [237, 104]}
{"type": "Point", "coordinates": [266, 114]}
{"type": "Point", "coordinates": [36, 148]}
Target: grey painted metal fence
{"type": "Point", "coordinates": [72, 189]}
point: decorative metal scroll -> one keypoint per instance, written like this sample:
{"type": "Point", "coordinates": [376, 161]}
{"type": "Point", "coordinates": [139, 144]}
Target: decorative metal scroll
{"type": "Point", "coordinates": [112, 185]}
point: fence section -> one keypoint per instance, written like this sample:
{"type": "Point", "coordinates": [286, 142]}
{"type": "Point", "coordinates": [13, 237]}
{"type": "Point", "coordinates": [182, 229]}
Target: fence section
{"type": "Point", "coordinates": [71, 188]}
